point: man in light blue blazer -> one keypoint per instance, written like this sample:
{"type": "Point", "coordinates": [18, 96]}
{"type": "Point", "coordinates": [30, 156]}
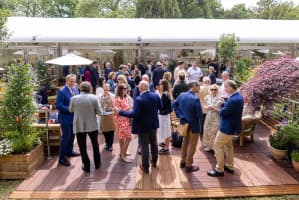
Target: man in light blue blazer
{"type": "Point", "coordinates": [230, 124]}
{"type": "Point", "coordinates": [188, 109]}
{"type": "Point", "coordinates": [145, 123]}
{"type": "Point", "coordinates": [65, 118]}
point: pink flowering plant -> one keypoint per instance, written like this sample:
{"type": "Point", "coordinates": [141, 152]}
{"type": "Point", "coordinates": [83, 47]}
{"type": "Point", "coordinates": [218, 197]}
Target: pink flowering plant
{"type": "Point", "coordinates": [273, 80]}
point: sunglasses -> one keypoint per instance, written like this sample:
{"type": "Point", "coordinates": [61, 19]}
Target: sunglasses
{"type": "Point", "coordinates": [213, 89]}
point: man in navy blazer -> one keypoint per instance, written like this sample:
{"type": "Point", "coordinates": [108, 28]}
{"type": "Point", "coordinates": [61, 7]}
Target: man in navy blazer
{"type": "Point", "coordinates": [230, 124]}
{"type": "Point", "coordinates": [145, 123]}
{"type": "Point", "coordinates": [187, 108]}
{"type": "Point", "coordinates": [65, 118]}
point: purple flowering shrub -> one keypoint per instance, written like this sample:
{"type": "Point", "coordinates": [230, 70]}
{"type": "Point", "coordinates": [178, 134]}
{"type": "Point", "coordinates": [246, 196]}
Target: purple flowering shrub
{"type": "Point", "coordinates": [273, 80]}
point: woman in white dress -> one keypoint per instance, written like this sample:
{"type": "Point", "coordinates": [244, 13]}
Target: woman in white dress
{"type": "Point", "coordinates": [164, 131]}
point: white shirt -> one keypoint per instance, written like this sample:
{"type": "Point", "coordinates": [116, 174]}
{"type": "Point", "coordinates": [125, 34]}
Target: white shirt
{"type": "Point", "coordinates": [223, 93]}
{"type": "Point", "coordinates": [194, 73]}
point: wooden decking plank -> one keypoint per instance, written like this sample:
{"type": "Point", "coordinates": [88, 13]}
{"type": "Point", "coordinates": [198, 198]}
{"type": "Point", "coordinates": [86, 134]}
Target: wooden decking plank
{"type": "Point", "coordinates": [279, 175]}
{"type": "Point", "coordinates": [255, 175]}
{"type": "Point", "coordinates": [165, 193]}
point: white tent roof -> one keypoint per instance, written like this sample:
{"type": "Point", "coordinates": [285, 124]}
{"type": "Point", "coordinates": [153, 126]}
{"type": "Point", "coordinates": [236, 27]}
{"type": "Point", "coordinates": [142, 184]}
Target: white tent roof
{"type": "Point", "coordinates": [103, 30]}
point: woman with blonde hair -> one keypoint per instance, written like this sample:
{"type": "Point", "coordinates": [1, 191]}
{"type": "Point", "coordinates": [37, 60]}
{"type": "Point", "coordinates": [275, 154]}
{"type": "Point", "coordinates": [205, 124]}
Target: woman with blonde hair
{"type": "Point", "coordinates": [168, 76]}
{"type": "Point", "coordinates": [212, 104]}
{"type": "Point", "coordinates": [123, 127]}
{"type": "Point", "coordinates": [122, 79]}
{"type": "Point", "coordinates": [164, 130]}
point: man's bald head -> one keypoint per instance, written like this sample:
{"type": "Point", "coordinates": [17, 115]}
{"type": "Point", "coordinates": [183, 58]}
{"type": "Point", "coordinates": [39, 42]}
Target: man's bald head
{"type": "Point", "coordinates": [145, 77]}
{"type": "Point", "coordinates": [143, 86]}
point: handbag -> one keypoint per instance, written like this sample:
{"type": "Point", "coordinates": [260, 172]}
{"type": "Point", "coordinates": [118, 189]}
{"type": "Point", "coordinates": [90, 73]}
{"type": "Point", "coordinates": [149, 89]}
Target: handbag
{"type": "Point", "coordinates": [183, 129]}
{"type": "Point", "coordinates": [176, 139]}
{"type": "Point", "coordinates": [107, 123]}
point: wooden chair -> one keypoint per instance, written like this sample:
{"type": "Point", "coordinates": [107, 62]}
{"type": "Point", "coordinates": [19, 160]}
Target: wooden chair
{"type": "Point", "coordinates": [248, 125]}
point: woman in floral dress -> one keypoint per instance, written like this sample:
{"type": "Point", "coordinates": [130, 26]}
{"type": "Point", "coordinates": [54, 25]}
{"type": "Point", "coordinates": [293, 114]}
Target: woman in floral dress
{"type": "Point", "coordinates": [123, 127]}
{"type": "Point", "coordinates": [212, 104]}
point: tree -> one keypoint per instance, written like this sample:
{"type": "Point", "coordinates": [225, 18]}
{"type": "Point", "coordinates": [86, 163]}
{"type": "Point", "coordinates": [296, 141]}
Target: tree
{"type": "Point", "coordinates": [238, 11]}
{"type": "Point", "coordinates": [18, 109]}
{"type": "Point", "coordinates": [157, 9]}
{"type": "Point", "coordinates": [272, 9]}
{"type": "Point", "coordinates": [273, 80]}
{"type": "Point", "coordinates": [41, 8]}
{"type": "Point", "coordinates": [201, 8]}
{"type": "Point", "coordinates": [3, 30]}
{"type": "Point", "coordinates": [227, 46]}
{"type": "Point", "coordinates": [106, 8]}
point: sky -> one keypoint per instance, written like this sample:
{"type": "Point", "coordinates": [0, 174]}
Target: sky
{"type": "Point", "coordinates": [227, 4]}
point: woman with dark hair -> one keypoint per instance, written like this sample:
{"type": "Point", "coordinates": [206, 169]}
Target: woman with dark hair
{"type": "Point", "coordinates": [123, 127]}
{"type": "Point", "coordinates": [164, 130]}
{"type": "Point", "coordinates": [101, 82]}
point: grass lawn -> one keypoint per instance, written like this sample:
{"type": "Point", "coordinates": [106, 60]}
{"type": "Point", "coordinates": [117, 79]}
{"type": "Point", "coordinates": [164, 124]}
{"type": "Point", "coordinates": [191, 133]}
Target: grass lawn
{"type": "Point", "coordinates": [7, 186]}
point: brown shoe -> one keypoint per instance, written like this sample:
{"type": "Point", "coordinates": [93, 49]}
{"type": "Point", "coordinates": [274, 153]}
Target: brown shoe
{"type": "Point", "coordinates": [192, 168]}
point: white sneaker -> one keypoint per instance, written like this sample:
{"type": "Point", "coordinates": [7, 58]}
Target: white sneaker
{"type": "Point", "coordinates": [207, 149]}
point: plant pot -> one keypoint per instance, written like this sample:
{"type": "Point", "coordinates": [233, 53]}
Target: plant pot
{"type": "Point", "coordinates": [277, 153]}
{"type": "Point", "coordinates": [21, 165]}
{"type": "Point", "coordinates": [295, 165]}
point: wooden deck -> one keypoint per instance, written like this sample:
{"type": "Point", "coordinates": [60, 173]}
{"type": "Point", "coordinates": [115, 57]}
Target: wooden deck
{"type": "Point", "coordinates": [256, 174]}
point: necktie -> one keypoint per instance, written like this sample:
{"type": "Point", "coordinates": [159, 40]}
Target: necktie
{"type": "Point", "coordinates": [73, 92]}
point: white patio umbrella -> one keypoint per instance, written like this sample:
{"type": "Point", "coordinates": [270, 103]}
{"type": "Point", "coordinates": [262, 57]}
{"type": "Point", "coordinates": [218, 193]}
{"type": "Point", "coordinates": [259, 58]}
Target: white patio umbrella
{"type": "Point", "coordinates": [70, 59]}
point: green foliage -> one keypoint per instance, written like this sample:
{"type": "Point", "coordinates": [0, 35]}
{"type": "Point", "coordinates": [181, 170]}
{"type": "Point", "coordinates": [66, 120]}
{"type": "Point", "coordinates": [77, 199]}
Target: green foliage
{"type": "Point", "coordinates": [18, 109]}
{"type": "Point", "coordinates": [157, 9]}
{"type": "Point", "coordinates": [205, 9]}
{"type": "Point", "coordinates": [25, 142]}
{"type": "Point", "coordinates": [272, 9]}
{"type": "Point", "coordinates": [238, 11]}
{"type": "Point", "coordinates": [295, 156]}
{"type": "Point", "coordinates": [227, 46]}
{"type": "Point", "coordinates": [3, 30]}
{"type": "Point", "coordinates": [41, 8]}
{"type": "Point", "coordinates": [243, 70]}
{"type": "Point", "coordinates": [106, 8]}
{"type": "Point", "coordinates": [279, 140]}
{"type": "Point", "coordinates": [292, 133]}
{"type": "Point", "coordinates": [43, 74]}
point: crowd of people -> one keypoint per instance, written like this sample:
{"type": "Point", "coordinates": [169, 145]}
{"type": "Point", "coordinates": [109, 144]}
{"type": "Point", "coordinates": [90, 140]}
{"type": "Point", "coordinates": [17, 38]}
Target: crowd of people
{"type": "Point", "coordinates": [139, 100]}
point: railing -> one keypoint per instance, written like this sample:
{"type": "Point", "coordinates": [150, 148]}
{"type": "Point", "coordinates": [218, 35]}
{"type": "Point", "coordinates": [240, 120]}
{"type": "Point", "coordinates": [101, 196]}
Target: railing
{"type": "Point", "coordinates": [285, 112]}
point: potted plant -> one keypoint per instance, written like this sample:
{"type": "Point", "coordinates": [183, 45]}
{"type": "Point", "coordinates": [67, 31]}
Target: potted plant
{"type": "Point", "coordinates": [278, 144]}
{"type": "Point", "coordinates": [22, 151]}
{"type": "Point", "coordinates": [295, 160]}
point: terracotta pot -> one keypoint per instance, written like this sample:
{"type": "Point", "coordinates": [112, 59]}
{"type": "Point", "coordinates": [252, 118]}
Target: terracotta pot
{"type": "Point", "coordinates": [277, 153]}
{"type": "Point", "coordinates": [295, 165]}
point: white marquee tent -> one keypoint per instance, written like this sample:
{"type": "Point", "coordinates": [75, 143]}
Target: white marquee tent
{"type": "Point", "coordinates": [96, 30]}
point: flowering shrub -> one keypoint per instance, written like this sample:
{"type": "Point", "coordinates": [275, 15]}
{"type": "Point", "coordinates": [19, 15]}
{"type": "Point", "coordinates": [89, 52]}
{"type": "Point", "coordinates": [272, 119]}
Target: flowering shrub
{"type": "Point", "coordinates": [5, 147]}
{"type": "Point", "coordinates": [273, 80]}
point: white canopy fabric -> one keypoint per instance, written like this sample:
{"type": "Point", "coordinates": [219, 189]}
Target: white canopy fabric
{"type": "Point", "coordinates": [134, 30]}
{"type": "Point", "coordinates": [70, 59]}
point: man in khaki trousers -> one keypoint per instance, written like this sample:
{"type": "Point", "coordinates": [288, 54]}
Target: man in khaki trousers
{"type": "Point", "coordinates": [230, 124]}
{"type": "Point", "coordinates": [188, 109]}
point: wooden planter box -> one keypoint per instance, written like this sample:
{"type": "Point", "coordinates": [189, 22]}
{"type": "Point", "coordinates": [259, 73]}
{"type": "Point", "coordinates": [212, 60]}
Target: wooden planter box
{"type": "Point", "coordinates": [21, 165]}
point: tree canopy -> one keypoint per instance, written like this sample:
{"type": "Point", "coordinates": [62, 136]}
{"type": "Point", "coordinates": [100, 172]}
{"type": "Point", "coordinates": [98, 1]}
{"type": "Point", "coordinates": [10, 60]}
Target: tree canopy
{"type": "Point", "coordinates": [157, 9]}
{"type": "Point", "coordinates": [264, 9]}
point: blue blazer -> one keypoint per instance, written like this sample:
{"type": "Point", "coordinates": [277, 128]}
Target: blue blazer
{"type": "Point", "coordinates": [137, 91]}
{"type": "Point", "coordinates": [231, 115]}
{"type": "Point", "coordinates": [188, 109]}
{"type": "Point", "coordinates": [65, 117]}
{"type": "Point", "coordinates": [144, 113]}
